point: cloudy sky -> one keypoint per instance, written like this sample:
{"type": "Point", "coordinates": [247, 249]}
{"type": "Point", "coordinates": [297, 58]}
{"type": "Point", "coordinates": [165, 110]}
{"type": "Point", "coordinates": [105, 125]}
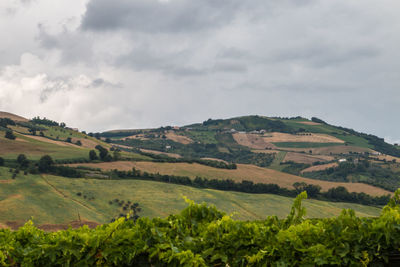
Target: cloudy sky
{"type": "Point", "coordinates": [106, 64]}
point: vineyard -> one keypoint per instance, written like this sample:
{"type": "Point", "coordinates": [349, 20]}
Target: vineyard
{"type": "Point", "coordinates": [203, 236]}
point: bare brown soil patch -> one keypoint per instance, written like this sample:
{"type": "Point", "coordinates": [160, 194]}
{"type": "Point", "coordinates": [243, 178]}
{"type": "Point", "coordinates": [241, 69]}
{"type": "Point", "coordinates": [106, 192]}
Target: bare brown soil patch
{"type": "Point", "coordinates": [12, 116]}
{"type": "Point", "coordinates": [320, 167]}
{"type": "Point", "coordinates": [178, 138]}
{"type": "Point", "coordinates": [214, 159]}
{"type": "Point", "coordinates": [5, 181]}
{"type": "Point", "coordinates": [136, 136]}
{"type": "Point", "coordinates": [331, 150]}
{"type": "Point", "coordinates": [308, 122]}
{"type": "Point", "coordinates": [265, 151]}
{"type": "Point", "coordinates": [14, 225]}
{"type": "Point", "coordinates": [253, 141]}
{"type": "Point", "coordinates": [172, 155]}
{"type": "Point", "coordinates": [306, 159]}
{"type": "Point", "coordinates": [3, 226]}
{"type": "Point", "coordinates": [85, 142]}
{"type": "Point", "coordinates": [243, 172]}
{"type": "Point", "coordinates": [308, 138]}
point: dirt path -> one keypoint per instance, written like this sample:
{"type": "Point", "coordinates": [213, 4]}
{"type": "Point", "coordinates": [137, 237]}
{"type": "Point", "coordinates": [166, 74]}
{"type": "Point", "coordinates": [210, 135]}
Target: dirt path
{"type": "Point", "coordinates": [65, 196]}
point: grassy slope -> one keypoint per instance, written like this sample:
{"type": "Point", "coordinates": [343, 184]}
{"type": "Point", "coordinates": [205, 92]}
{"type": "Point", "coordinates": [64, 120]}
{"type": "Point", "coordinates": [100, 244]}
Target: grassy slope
{"type": "Point", "coordinates": [34, 149]}
{"type": "Point", "coordinates": [53, 200]}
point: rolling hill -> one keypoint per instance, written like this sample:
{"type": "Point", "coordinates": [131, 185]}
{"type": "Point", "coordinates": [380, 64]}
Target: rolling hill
{"type": "Point", "coordinates": [340, 163]}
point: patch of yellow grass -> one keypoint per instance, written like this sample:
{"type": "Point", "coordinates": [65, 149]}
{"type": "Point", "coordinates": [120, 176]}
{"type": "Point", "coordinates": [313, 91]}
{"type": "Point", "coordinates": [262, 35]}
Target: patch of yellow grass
{"type": "Point", "coordinates": [243, 172]}
{"type": "Point", "coordinates": [305, 158]}
{"type": "Point", "coordinates": [320, 167]}
{"type": "Point", "coordinates": [171, 135]}
{"type": "Point", "coordinates": [307, 138]}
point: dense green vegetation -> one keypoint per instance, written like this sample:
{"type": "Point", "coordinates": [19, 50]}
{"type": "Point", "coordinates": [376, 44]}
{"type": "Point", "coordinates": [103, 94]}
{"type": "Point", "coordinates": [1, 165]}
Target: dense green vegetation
{"type": "Point", "coordinates": [203, 236]}
{"type": "Point", "coordinates": [363, 171]}
{"type": "Point", "coordinates": [234, 154]}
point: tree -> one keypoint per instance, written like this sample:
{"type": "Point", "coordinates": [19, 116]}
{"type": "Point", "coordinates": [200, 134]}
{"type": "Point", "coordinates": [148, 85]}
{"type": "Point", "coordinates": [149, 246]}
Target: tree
{"type": "Point", "coordinates": [68, 140]}
{"type": "Point", "coordinates": [32, 131]}
{"type": "Point", "coordinates": [22, 161]}
{"type": "Point", "coordinates": [92, 155]}
{"type": "Point", "coordinates": [78, 143]}
{"type": "Point", "coordinates": [103, 153]}
{"type": "Point", "coordinates": [45, 163]}
{"type": "Point", "coordinates": [1, 161]}
{"type": "Point", "coordinates": [116, 155]}
{"type": "Point", "coordinates": [10, 135]}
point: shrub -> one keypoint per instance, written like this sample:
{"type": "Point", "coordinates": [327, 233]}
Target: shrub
{"type": "Point", "coordinates": [10, 135]}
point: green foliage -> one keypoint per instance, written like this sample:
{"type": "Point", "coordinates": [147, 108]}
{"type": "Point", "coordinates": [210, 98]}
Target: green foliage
{"type": "Point", "coordinates": [203, 236]}
{"type": "Point", "coordinates": [22, 161]}
{"type": "Point", "coordinates": [363, 171]}
{"type": "Point", "coordinates": [93, 155]}
{"type": "Point", "coordinates": [1, 161]}
{"type": "Point", "coordinates": [45, 163]}
{"type": "Point", "coordinates": [103, 152]}
{"type": "Point", "coordinates": [10, 135]}
{"type": "Point", "coordinates": [44, 121]}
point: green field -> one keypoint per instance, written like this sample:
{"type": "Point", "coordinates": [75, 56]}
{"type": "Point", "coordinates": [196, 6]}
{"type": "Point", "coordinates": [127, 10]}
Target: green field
{"type": "Point", "coordinates": [304, 144]}
{"type": "Point", "coordinates": [51, 199]}
{"type": "Point", "coordinates": [205, 137]}
{"type": "Point", "coordinates": [276, 163]}
{"type": "Point", "coordinates": [354, 140]}
{"type": "Point", "coordinates": [322, 128]}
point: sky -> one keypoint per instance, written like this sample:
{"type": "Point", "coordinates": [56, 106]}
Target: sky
{"type": "Point", "coordinates": [99, 64]}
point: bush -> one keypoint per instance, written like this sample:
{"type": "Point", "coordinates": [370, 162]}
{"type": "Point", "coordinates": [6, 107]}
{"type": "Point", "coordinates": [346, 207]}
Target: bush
{"type": "Point", "coordinates": [22, 161]}
{"type": "Point", "coordinates": [10, 135]}
{"type": "Point", "coordinates": [45, 163]}
{"type": "Point", "coordinates": [1, 161]}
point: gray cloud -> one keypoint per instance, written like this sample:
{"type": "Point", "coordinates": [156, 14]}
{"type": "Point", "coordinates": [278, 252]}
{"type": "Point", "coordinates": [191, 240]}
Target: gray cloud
{"type": "Point", "coordinates": [190, 60]}
{"type": "Point", "coordinates": [158, 16]}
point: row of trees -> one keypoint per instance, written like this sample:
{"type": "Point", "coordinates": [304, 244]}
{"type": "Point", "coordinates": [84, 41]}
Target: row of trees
{"type": "Point", "coordinates": [314, 191]}
{"type": "Point", "coordinates": [45, 121]}
{"type": "Point", "coordinates": [45, 165]}
{"type": "Point", "coordinates": [104, 154]}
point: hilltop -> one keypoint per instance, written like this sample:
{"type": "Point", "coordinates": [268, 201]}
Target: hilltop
{"type": "Point", "coordinates": [234, 163]}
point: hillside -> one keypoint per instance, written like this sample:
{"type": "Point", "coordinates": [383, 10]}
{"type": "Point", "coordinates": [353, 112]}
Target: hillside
{"type": "Point", "coordinates": [52, 199]}
{"type": "Point", "coordinates": [279, 155]}
{"type": "Point", "coordinates": [290, 145]}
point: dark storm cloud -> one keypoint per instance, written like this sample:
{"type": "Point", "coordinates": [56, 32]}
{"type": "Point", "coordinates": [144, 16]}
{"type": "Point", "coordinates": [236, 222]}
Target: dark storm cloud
{"type": "Point", "coordinates": [158, 16]}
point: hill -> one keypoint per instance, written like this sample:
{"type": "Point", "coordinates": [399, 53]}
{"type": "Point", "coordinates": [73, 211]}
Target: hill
{"type": "Point", "coordinates": [58, 200]}
{"type": "Point", "coordinates": [329, 162]}
{"type": "Point", "coordinates": [290, 145]}
{"type": "Point", "coordinates": [12, 116]}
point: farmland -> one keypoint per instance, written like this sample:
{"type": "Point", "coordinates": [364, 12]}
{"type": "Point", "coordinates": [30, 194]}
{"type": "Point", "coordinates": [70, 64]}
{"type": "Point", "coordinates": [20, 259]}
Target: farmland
{"type": "Point", "coordinates": [52, 199]}
{"type": "Point", "coordinates": [243, 172]}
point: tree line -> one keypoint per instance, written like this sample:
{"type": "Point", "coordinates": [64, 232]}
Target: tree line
{"type": "Point", "coordinates": [314, 191]}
